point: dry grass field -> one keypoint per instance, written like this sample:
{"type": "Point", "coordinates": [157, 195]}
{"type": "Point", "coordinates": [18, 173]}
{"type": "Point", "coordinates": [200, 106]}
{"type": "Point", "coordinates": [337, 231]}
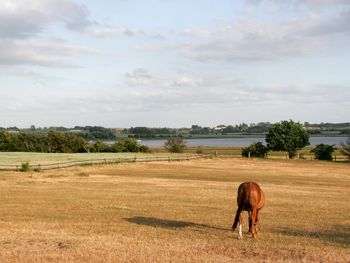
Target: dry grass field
{"type": "Point", "coordinates": [175, 212]}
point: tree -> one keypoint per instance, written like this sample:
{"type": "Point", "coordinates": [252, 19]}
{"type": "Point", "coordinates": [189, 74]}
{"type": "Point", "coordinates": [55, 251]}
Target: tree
{"type": "Point", "coordinates": [6, 142]}
{"type": "Point", "coordinates": [55, 141]}
{"type": "Point", "coordinates": [287, 136]}
{"type": "Point", "coordinates": [323, 152]}
{"type": "Point", "coordinates": [99, 146]}
{"type": "Point", "coordinates": [175, 145]}
{"type": "Point", "coordinates": [75, 144]}
{"type": "Point", "coordinates": [256, 149]}
{"type": "Point", "coordinates": [345, 149]}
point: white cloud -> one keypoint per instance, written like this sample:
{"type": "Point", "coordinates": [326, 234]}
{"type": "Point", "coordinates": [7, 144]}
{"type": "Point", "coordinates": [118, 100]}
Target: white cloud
{"type": "Point", "coordinates": [23, 18]}
{"type": "Point", "coordinates": [251, 39]}
{"type": "Point", "coordinates": [308, 3]}
{"type": "Point", "coordinates": [109, 31]}
{"type": "Point", "coordinates": [48, 53]}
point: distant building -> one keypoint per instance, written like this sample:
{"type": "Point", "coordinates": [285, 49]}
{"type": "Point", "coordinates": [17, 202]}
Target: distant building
{"type": "Point", "coordinates": [219, 127]}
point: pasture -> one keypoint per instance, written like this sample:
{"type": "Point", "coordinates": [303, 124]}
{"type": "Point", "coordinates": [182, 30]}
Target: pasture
{"type": "Point", "coordinates": [175, 212]}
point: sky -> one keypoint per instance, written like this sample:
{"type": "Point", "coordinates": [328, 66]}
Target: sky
{"type": "Point", "coordinates": [173, 63]}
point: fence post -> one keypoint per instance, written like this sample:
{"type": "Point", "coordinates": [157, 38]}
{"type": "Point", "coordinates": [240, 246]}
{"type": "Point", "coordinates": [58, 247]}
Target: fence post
{"type": "Point", "coordinates": [298, 155]}
{"type": "Point", "coordinates": [248, 154]}
{"type": "Point", "coordinates": [17, 168]}
{"type": "Point", "coordinates": [335, 158]}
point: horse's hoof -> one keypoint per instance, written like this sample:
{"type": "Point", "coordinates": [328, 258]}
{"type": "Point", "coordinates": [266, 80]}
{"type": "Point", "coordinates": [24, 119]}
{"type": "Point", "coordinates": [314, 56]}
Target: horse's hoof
{"type": "Point", "coordinates": [240, 237]}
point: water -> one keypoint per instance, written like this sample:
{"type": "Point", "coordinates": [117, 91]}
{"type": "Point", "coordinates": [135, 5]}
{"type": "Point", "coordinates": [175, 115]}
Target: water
{"type": "Point", "coordinates": [213, 142]}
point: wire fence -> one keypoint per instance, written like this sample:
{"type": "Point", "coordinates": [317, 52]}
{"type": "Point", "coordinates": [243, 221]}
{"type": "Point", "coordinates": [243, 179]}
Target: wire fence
{"type": "Point", "coordinates": [58, 165]}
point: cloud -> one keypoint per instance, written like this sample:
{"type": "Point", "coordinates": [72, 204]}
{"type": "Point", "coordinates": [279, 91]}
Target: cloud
{"type": "Point", "coordinates": [25, 18]}
{"type": "Point", "coordinates": [147, 91]}
{"type": "Point", "coordinates": [252, 39]}
{"type": "Point", "coordinates": [308, 3]}
{"type": "Point", "coordinates": [48, 53]}
{"type": "Point", "coordinates": [109, 31]}
{"type": "Point", "coordinates": [144, 78]}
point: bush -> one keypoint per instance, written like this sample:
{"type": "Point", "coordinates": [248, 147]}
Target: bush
{"type": "Point", "coordinates": [345, 149]}
{"type": "Point", "coordinates": [175, 145]}
{"type": "Point", "coordinates": [82, 174]}
{"type": "Point", "coordinates": [256, 149]}
{"type": "Point", "coordinates": [25, 167]}
{"type": "Point", "coordinates": [199, 150]}
{"type": "Point", "coordinates": [323, 152]}
{"type": "Point", "coordinates": [129, 145]}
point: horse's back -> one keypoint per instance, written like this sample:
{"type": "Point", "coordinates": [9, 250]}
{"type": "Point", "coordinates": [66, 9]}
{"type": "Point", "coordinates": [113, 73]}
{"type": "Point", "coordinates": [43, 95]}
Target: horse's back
{"type": "Point", "coordinates": [250, 195]}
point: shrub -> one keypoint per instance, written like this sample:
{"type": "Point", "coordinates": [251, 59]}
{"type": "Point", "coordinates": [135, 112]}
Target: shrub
{"type": "Point", "coordinates": [82, 174]}
{"type": "Point", "coordinates": [256, 149]}
{"type": "Point", "coordinates": [129, 145]}
{"type": "Point", "coordinates": [175, 145]}
{"type": "Point", "coordinates": [25, 167]}
{"type": "Point", "coordinates": [345, 149]}
{"type": "Point", "coordinates": [323, 152]}
{"type": "Point", "coordinates": [199, 150]}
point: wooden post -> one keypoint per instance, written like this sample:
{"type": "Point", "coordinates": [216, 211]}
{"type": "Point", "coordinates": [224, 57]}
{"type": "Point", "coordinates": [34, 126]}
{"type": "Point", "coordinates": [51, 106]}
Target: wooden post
{"type": "Point", "coordinates": [298, 155]}
{"type": "Point", "coordinates": [248, 154]}
{"type": "Point", "coordinates": [335, 158]}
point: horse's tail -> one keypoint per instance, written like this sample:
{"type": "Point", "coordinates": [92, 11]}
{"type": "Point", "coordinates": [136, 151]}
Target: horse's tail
{"type": "Point", "coordinates": [239, 211]}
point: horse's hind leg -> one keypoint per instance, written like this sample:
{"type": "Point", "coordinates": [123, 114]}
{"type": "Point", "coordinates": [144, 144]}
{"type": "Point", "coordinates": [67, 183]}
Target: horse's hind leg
{"type": "Point", "coordinates": [254, 214]}
{"type": "Point", "coordinates": [257, 223]}
{"type": "Point", "coordinates": [240, 235]}
{"type": "Point", "coordinates": [238, 220]}
{"type": "Point", "coordinates": [250, 221]}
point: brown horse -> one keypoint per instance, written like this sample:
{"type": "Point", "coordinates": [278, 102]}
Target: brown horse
{"type": "Point", "coordinates": [249, 198]}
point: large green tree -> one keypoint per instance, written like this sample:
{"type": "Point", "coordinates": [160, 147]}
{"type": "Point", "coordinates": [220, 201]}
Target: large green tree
{"type": "Point", "coordinates": [287, 136]}
{"type": "Point", "coordinates": [55, 141]}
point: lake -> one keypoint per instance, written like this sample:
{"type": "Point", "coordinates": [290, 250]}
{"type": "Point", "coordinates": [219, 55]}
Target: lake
{"type": "Point", "coordinates": [241, 141]}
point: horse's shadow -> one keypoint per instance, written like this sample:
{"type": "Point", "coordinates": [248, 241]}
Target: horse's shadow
{"type": "Point", "coordinates": [168, 224]}
{"type": "Point", "coordinates": [338, 234]}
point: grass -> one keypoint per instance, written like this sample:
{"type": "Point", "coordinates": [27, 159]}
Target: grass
{"type": "Point", "coordinates": [175, 212]}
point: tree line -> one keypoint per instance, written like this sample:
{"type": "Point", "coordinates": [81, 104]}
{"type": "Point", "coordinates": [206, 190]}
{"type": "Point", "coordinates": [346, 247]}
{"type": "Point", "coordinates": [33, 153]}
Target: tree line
{"type": "Point", "coordinates": [287, 136]}
{"type": "Point", "coordinates": [92, 133]}
{"type": "Point", "coordinates": [60, 142]}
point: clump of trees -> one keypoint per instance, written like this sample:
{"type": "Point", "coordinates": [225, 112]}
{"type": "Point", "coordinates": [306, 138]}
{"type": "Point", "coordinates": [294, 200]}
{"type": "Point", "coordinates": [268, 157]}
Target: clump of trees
{"type": "Point", "coordinates": [288, 136]}
{"type": "Point", "coordinates": [345, 149]}
{"type": "Point", "coordinates": [256, 149]}
{"type": "Point", "coordinates": [175, 145]}
{"type": "Point", "coordinates": [59, 142]}
{"type": "Point", "coordinates": [323, 152]}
